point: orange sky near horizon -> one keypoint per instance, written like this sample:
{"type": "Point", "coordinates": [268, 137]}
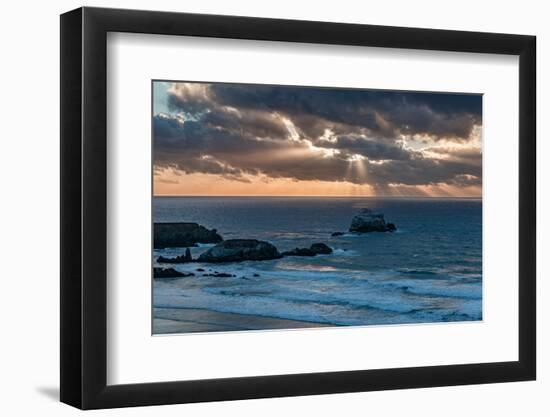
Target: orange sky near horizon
{"type": "Point", "coordinates": [171, 183]}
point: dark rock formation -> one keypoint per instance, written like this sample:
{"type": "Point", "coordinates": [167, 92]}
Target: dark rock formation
{"type": "Point", "coordinates": [368, 221]}
{"type": "Point", "coordinates": [181, 235]}
{"type": "Point", "coordinates": [219, 275]}
{"type": "Point", "coordinates": [177, 260]}
{"type": "Point", "coordinates": [170, 273]}
{"type": "Point", "coordinates": [337, 234]}
{"type": "Point", "coordinates": [237, 250]}
{"type": "Point", "coordinates": [315, 249]}
{"type": "Point", "coordinates": [299, 252]}
{"type": "Point", "coordinates": [321, 248]}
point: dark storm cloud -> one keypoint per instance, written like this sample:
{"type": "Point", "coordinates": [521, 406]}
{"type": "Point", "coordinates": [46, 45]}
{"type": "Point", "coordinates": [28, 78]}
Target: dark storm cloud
{"type": "Point", "coordinates": [370, 148]}
{"type": "Point", "coordinates": [249, 123]}
{"type": "Point", "coordinates": [235, 131]}
{"type": "Point", "coordinates": [381, 113]}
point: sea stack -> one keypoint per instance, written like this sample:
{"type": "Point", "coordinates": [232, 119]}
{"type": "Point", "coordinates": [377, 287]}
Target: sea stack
{"type": "Point", "coordinates": [368, 221]}
{"type": "Point", "coordinates": [182, 235]}
{"type": "Point", "coordinates": [177, 260]}
{"type": "Point", "coordinates": [313, 250]}
{"type": "Point", "coordinates": [237, 250]}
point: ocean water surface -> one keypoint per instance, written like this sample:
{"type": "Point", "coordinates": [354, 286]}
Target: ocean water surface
{"type": "Point", "coordinates": [429, 270]}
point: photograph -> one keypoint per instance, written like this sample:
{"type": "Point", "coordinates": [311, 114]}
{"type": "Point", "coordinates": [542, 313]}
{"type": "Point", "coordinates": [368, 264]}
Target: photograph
{"type": "Point", "coordinates": [285, 207]}
{"type": "Point", "coordinates": [339, 204]}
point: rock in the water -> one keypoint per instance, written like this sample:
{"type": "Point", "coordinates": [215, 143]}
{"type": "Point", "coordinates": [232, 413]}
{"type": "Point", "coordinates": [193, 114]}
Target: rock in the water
{"type": "Point", "coordinates": [321, 249]}
{"type": "Point", "coordinates": [337, 234]}
{"type": "Point", "coordinates": [315, 249]}
{"type": "Point", "coordinates": [181, 235]}
{"type": "Point", "coordinates": [299, 252]}
{"type": "Point", "coordinates": [177, 260]}
{"type": "Point", "coordinates": [237, 250]}
{"type": "Point", "coordinates": [219, 275]}
{"type": "Point", "coordinates": [369, 221]}
{"type": "Point", "coordinates": [170, 273]}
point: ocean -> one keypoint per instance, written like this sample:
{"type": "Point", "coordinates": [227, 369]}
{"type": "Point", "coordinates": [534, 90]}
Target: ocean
{"type": "Point", "coordinates": [429, 270]}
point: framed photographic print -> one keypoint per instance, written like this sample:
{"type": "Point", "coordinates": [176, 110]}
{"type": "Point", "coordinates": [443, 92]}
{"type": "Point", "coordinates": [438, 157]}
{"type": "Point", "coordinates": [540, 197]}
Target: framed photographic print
{"type": "Point", "coordinates": [257, 208]}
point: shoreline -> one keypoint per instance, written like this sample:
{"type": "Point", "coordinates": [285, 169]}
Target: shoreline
{"type": "Point", "coordinates": [195, 320]}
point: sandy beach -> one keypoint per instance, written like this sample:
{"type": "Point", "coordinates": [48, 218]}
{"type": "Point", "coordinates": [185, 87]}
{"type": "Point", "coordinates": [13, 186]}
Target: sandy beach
{"type": "Point", "coordinates": [190, 320]}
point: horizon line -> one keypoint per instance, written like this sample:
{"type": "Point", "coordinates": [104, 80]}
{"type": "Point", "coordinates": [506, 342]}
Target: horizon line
{"type": "Point", "coordinates": [317, 196]}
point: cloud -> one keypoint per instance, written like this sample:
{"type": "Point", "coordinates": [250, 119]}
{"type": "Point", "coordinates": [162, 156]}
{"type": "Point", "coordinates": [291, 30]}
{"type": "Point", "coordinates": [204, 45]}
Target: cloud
{"type": "Point", "coordinates": [240, 131]}
{"type": "Point", "coordinates": [380, 113]}
{"type": "Point", "coordinates": [423, 171]}
{"type": "Point", "coordinates": [370, 148]}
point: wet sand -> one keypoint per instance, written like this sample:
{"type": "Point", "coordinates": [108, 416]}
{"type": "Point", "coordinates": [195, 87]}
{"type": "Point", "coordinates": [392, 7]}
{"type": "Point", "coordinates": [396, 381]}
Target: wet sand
{"type": "Point", "coordinates": [190, 320]}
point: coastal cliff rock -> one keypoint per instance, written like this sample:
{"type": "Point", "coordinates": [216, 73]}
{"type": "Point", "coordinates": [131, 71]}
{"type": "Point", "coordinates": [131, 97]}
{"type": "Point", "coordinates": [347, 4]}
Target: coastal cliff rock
{"type": "Point", "coordinates": [169, 273]}
{"type": "Point", "coordinates": [177, 260]}
{"type": "Point", "coordinates": [313, 250]}
{"type": "Point", "coordinates": [237, 250]}
{"type": "Point", "coordinates": [369, 221]}
{"type": "Point", "coordinates": [181, 235]}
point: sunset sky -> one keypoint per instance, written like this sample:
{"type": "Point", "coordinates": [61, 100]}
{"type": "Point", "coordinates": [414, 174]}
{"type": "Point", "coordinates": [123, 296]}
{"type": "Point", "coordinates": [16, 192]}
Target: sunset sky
{"type": "Point", "coordinates": [242, 139]}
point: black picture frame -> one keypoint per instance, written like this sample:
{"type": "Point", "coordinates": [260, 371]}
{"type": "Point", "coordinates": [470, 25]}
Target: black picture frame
{"type": "Point", "coordinates": [84, 207]}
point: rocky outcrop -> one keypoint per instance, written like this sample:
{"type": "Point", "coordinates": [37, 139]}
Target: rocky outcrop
{"type": "Point", "coordinates": [177, 260]}
{"type": "Point", "coordinates": [321, 249]}
{"type": "Point", "coordinates": [237, 250]}
{"type": "Point", "coordinates": [170, 273]}
{"type": "Point", "coordinates": [313, 250]}
{"type": "Point", "coordinates": [181, 235]}
{"type": "Point", "coordinates": [219, 275]}
{"type": "Point", "coordinates": [299, 252]}
{"type": "Point", "coordinates": [368, 221]}
{"type": "Point", "coordinates": [337, 234]}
